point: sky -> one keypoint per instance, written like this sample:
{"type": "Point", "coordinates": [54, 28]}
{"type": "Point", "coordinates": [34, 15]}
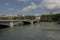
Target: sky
{"type": "Point", "coordinates": [29, 7]}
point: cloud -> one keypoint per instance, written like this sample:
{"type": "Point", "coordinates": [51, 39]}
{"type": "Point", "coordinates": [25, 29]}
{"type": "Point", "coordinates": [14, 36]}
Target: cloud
{"type": "Point", "coordinates": [28, 8]}
{"type": "Point", "coordinates": [50, 4]}
{"type": "Point", "coordinates": [6, 3]}
{"type": "Point", "coordinates": [24, 0]}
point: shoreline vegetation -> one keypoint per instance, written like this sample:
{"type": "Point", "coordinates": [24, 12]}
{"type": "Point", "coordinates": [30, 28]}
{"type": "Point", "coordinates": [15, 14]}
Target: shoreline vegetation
{"type": "Point", "coordinates": [16, 17]}
{"type": "Point", "coordinates": [50, 18]}
{"type": "Point", "coordinates": [43, 18]}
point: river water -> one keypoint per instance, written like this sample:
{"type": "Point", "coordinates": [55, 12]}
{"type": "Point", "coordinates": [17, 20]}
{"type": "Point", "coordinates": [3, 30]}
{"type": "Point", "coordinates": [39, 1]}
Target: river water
{"type": "Point", "coordinates": [42, 31]}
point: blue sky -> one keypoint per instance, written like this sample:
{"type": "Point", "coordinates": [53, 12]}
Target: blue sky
{"type": "Point", "coordinates": [29, 7]}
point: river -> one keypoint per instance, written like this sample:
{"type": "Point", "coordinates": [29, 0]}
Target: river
{"type": "Point", "coordinates": [42, 31]}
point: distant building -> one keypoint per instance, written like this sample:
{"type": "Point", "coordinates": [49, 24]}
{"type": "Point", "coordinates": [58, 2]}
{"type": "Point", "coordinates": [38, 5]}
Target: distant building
{"type": "Point", "coordinates": [37, 17]}
{"type": "Point", "coordinates": [21, 14]}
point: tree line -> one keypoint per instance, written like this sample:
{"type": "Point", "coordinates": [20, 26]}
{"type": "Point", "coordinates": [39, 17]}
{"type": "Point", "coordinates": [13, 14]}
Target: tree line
{"type": "Point", "coordinates": [17, 17]}
{"type": "Point", "coordinates": [50, 18]}
{"type": "Point", "coordinates": [43, 18]}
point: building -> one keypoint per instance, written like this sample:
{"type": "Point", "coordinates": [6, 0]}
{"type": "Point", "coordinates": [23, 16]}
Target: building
{"type": "Point", "coordinates": [37, 17]}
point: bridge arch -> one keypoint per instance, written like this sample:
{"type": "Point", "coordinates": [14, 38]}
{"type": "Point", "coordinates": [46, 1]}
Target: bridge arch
{"type": "Point", "coordinates": [26, 22]}
{"type": "Point", "coordinates": [3, 26]}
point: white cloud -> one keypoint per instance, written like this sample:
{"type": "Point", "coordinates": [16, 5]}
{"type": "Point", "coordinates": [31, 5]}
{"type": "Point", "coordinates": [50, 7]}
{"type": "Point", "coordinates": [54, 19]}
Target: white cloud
{"type": "Point", "coordinates": [28, 8]}
{"type": "Point", "coordinates": [50, 4]}
{"type": "Point", "coordinates": [24, 0]}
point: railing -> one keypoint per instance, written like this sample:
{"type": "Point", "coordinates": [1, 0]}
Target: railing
{"type": "Point", "coordinates": [18, 20]}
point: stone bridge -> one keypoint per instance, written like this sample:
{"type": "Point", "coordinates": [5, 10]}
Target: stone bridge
{"type": "Point", "coordinates": [11, 23]}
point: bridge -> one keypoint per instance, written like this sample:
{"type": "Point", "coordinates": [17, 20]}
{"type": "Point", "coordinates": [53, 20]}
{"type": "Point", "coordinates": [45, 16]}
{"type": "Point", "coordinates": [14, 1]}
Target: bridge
{"type": "Point", "coordinates": [11, 23]}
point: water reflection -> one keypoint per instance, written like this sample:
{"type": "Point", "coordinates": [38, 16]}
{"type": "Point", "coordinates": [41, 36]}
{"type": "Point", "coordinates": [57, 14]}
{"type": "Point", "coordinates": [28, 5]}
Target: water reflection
{"type": "Point", "coordinates": [42, 31]}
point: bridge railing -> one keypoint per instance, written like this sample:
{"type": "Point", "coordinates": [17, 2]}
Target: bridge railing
{"type": "Point", "coordinates": [18, 20]}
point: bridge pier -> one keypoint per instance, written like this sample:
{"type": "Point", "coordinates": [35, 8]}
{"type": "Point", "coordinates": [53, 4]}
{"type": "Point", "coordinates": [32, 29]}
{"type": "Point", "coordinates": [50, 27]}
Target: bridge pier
{"type": "Point", "coordinates": [11, 24]}
{"type": "Point", "coordinates": [38, 21]}
{"type": "Point", "coordinates": [32, 22]}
